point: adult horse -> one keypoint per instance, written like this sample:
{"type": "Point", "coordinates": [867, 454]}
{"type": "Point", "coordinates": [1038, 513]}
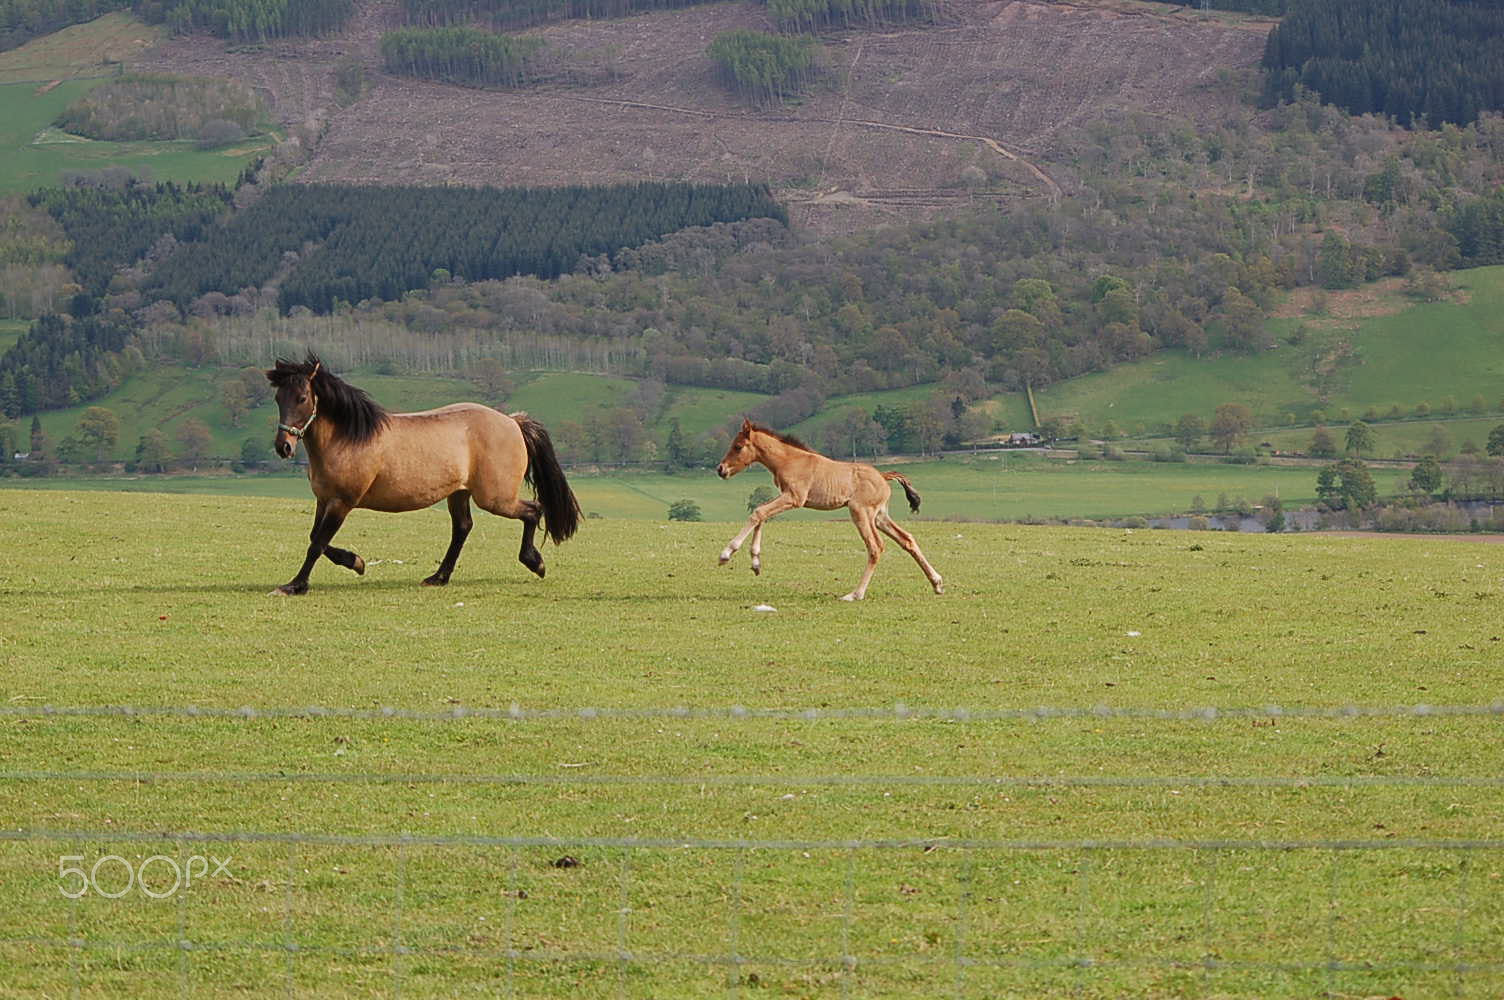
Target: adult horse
{"type": "Point", "coordinates": [809, 479]}
{"type": "Point", "coordinates": [359, 455]}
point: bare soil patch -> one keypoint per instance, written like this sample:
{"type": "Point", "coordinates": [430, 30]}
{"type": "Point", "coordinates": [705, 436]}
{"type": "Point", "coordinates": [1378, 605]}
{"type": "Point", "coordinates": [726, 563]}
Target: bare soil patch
{"type": "Point", "coordinates": [1384, 297]}
{"type": "Point", "coordinates": [904, 114]}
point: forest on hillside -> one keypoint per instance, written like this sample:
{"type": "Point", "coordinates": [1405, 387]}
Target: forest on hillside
{"type": "Point", "coordinates": [1421, 62]}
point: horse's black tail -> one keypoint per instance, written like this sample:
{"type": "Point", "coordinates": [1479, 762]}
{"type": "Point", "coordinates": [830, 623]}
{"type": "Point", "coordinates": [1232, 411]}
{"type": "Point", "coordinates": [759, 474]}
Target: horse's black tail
{"type": "Point", "coordinates": [561, 511]}
{"type": "Point", "coordinates": [908, 490]}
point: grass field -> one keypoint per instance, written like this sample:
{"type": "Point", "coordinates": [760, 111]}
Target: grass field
{"type": "Point", "coordinates": [1009, 486]}
{"type": "Point", "coordinates": [10, 332]}
{"type": "Point", "coordinates": [1418, 354]}
{"type": "Point", "coordinates": [1070, 884]}
{"type": "Point", "coordinates": [40, 79]}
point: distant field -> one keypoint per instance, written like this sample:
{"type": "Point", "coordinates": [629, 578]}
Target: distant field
{"type": "Point", "coordinates": [81, 50]}
{"type": "Point", "coordinates": [10, 332]}
{"type": "Point", "coordinates": [988, 487]}
{"type": "Point", "coordinates": [1421, 354]}
{"type": "Point", "coordinates": [700, 410]}
{"type": "Point", "coordinates": [1397, 438]}
{"type": "Point", "coordinates": [1254, 854]}
{"type": "Point", "coordinates": [33, 154]}
{"type": "Point", "coordinates": [558, 396]}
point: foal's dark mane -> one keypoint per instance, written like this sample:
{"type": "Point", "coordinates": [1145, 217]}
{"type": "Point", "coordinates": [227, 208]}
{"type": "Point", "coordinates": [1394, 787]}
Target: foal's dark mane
{"type": "Point", "coordinates": [355, 414]}
{"type": "Point", "coordinates": [787, 439]}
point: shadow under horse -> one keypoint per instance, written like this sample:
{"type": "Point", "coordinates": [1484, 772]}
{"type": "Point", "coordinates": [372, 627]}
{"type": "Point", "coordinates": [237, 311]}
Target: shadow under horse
{"type": "Point", "coordinates": [359, 455]}
{"type": "Point", "coordinates": [806, 478]}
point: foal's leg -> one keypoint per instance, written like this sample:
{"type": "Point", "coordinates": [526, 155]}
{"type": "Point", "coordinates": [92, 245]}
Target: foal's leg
{"type": "Point", "coordinates": [772, 508]}
{"type": "Point", "coordinates": [459, 527]}
{"type": "Point", "coordinates": [862, 517]}
{"type": "Point", "coordinates": [331, 514]}
{"type": "Point", "coordinates": [529, 512]}
{"type": "Point", "coordinates": [889, 527]}
{"type": "Point", "coordinates": [756, 551]}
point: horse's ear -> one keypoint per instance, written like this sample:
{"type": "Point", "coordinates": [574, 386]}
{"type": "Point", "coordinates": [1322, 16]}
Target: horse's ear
{"type": "Point", "coordinates": [746, 424]}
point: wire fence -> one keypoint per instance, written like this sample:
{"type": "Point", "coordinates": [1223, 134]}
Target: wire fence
{"type": "Point", "coordinates": [897, 713]}
{"type": "Point", "coordinates": [625, 916]}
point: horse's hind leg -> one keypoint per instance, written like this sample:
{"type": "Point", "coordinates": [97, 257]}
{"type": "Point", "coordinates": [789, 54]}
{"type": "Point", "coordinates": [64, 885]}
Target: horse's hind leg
{"type": "Point", "coordinates": [863, 519]}
{"type": "Point", "coordinates": [530, 513]}
{"type": "Point", "coordinates": [459, 528]}
{"type": "Point", "coordinates": [889, 527]}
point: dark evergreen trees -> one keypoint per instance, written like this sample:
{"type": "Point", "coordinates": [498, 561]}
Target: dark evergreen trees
{"type": "Point", "coordinates": [1421, 62]}
{"type": "Point", "coordinates": [381, 242]}
{"type": "Point", "coordinates": [469, 56]}
{"type": "Point", "coordinates": [249, 20]}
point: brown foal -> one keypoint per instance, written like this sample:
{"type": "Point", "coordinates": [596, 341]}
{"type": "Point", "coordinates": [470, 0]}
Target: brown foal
{"type": "Point", "coordinates": [809, 479]}
{"type": "Point", "coordinates": [359, 455]}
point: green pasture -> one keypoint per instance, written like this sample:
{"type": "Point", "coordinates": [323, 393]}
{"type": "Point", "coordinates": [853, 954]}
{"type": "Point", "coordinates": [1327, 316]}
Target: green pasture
{"type": "Point", "coordinates": [856, 878]}
{"type": "Point", "coordinates": [10, 332]}
{"type": "Point", "coordinates": [700, 410]}
{"type": "Point", "coordinates": [554, 397]}
{"type": "Point", "coordinates": [1420, 354]}
{"type": "Point", "coordinates": [988, 486]}
{"type": "Point", "coordinates": [33, 154]}
{"type": "Point", "coordinates": [1396, 438]}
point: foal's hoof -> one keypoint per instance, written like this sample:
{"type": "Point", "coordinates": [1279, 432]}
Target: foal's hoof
{"type": "Point", "coordinates": [290, 590]}
{"type": "Point", "coordinates": [853, 596]}
{"type": "Point", "coordinates": [436, 581]}
{"type": "Point", "coordinates": [756, 568]}
{"type": "Point", "coordinates": [939, 586]}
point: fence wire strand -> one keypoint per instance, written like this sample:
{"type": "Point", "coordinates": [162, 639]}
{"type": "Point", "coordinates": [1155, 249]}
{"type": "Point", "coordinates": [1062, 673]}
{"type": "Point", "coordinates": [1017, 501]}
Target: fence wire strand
{"type": "Point", "coordinates": [899, 712]}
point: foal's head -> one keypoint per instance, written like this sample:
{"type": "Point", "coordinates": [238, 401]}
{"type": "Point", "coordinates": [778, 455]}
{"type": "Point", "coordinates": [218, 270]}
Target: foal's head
{"type": "Point", "coordinates": [745, 449]}
{"type": "Point", "coordinates": [742, 453]}
{"type": "Point", "coordinates": [297, 403]}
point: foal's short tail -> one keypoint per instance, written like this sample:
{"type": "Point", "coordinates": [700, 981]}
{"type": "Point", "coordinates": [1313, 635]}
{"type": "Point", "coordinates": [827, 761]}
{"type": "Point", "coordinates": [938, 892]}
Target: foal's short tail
{"type": "Point", "coordinates": [908, 489]}
{"type": "Point", "coordinates": [561, 511]}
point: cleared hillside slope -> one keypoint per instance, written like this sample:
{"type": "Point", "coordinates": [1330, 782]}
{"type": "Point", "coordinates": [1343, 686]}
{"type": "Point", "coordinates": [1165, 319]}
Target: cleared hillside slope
{"type": "Point", "coordinates": [902, 115]}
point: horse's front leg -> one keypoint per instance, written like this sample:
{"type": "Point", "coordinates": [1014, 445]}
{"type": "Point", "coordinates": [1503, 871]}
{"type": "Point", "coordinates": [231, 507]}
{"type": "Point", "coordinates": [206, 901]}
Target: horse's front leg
{"type": "Point", "coordinates": [331, 514]}
{"type": "Point", "coordinates": [772, 508]}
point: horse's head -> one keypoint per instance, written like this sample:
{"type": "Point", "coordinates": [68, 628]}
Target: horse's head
{"type": "Point", "coordinates": [742, 453]}
{"type": "Point", "coordinates": [297, 404]}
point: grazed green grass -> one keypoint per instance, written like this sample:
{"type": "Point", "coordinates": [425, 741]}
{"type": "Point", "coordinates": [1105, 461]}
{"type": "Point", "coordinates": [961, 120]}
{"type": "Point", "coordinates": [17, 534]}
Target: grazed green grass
{"type": "Point", "coordinates": [157, 600]}
{"type": "Point", "coordinates": [1008, 486]}
{"type": "Point", "coordinates": [34, 155]}
{"type": "Point", "coordinates": [1422, 354]}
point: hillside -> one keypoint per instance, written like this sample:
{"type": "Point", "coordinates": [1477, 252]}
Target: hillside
{"type": "Point", "coordinates": [1443, 356]}
{"type": "Point", "coordinates": [903, 112]}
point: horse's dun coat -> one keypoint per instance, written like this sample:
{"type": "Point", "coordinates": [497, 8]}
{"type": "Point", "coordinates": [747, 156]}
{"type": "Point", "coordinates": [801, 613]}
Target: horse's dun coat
{"type": "Point", "coordinates": [361, 456]}
{"type": "Point", "coordinates": [808, 479]}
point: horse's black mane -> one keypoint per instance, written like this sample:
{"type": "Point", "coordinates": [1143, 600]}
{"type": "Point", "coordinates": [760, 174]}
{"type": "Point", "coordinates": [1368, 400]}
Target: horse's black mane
{"type": "Point", "coordinates": [353, 413]}
{"type": "Point", "coordinates": [787, 439]}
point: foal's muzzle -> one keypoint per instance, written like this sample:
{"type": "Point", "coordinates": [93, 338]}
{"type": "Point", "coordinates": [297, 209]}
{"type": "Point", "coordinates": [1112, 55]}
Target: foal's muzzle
{"type": "Point", "coordinates": [722, 471]}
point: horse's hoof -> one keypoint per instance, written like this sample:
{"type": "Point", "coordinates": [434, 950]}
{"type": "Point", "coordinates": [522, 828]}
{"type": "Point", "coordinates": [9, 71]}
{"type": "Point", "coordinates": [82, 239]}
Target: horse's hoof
{"type": "Point", "coordinates": [939, 586]}
{"type": "Point", "coordinates": [850, 597]}
{"type": "Point", "coordinates": [540, 569]}
{"type": "Point", "coordinates": [359, 567]}
{"type": "Point", "coordinates": [436, 581]}
{"type": "Point", "coordinates": [756, 568]}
